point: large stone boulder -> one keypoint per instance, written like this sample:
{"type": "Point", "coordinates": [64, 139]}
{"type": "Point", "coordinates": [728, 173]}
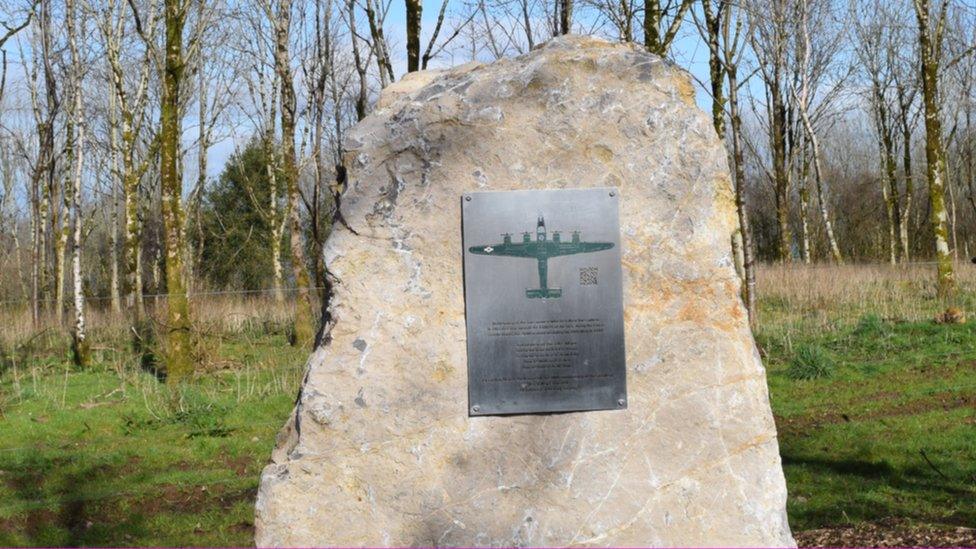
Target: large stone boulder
{"type": "Point", "coordinates": [380, 449]}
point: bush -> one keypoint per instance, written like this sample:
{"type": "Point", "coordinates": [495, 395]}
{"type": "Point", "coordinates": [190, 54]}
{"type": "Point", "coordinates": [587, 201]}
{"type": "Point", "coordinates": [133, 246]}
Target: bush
{"type": "Point", "coordinates": [810, 362]}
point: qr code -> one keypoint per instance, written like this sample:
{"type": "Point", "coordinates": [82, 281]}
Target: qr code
{"type": "Point", "coordinates": [588, 276]}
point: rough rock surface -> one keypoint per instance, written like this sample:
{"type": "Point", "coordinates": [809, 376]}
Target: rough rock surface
{"type": "Point", "coordinates": [380, 450]}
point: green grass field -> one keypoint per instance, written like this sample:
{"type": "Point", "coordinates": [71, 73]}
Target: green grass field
{"type": "Point", "coordinates": [889, 431]}
{"type": "Point", "coordinates": [876, 418]}
{"type": "Point", "coordinates": [110, 456]}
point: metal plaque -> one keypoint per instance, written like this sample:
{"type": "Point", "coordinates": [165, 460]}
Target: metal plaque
{"type": "Point", "coordinates": [543, 299]}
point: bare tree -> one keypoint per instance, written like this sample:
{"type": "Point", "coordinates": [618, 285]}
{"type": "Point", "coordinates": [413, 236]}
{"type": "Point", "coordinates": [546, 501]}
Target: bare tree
{"type": "Point", "coordinates": [906, 82]}
{"type": "Point", "coordinates": [802, 97]}
{"type": "Point", "coordinates": [43, 175]}
{"type": "Point", "coordinates": [770, 39]}
{"type": "Point", "coordinates": [722, 28]}
{"type": "Point", "coordinates": [280, 15]}
{"type": "Point", "coordinates": [215, 74]}
{"type": "Point", "coordinates": [931, 22]}
{"type": "Point", "coordinates": [875, 55]}
{"type": "Point", "coordinates": [131, 98]}
{"type": "Point", "coordinates": [379, 48]}
{"type": "Point", "coordinates": [619, 13]}
{"type": "Point", "coordinates": [360, 62]}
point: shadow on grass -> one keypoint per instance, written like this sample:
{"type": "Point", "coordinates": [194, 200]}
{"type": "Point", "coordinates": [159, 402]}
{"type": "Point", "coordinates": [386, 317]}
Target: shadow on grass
{"type": "Point", "coordinates": [871, 490]}
{"type": "Point", "coordinates": [68, 501]}
{"type": "Point", "coordinates": [58, 503]}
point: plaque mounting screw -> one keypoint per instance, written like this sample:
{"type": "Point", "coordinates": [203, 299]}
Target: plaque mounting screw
{"type": "Point", "coordinates": [613, 193]}
{"type": "Point", "coordinates": [476, 408]}
{"type": "Point", "coordinates": [621, 402]}
{"type": "Point", "coordinates": [468, 198]}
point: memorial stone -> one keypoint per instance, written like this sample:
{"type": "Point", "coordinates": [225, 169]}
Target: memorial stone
{"type": "Point", "coordinates": [383, 447]}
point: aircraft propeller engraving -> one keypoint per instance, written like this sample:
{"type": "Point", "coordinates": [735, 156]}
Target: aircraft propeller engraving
{"type": "Point", "coordinates": [541, 249]}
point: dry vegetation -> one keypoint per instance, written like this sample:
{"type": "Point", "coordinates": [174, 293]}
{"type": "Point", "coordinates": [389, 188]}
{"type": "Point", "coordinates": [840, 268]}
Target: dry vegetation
{"type": "Point", "coordinates": [831, 294]}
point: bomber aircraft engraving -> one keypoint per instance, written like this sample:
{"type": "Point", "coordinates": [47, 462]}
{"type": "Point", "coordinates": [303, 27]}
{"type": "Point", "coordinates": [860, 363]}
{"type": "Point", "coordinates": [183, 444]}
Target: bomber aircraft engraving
{"type": "Point", "coordinates": [541, 250]}
{"type": "Point", "coordinates": [543, 311]}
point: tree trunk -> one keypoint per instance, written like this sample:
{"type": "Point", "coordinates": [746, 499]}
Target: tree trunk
{"type": "Point", "coordinates": [414, 9]}
{"type": "Point", "coordinates": [115, 170]}
{"type": "Point", "coordinates": [177, 352]}
{"type": "Point", "coordinates": [889, 181]}
{"type": "Point", "coordinates": [44, 168]}
{"type": "Point", "coordinates": [781, 176]}
{"type": "Point", "coordinates": [304, 316]}
{"type": "Point", "coordinates": [358, 61]}
{"type": "Point", "coordinates": [803, 106]}
{"type": "Point", "coordinates": [818, 179]}
{"type": "Point", "coordinates": [930, 42]}
{"type": "Point", "coordinates": [716, 71]}
{"type": "Point", "coordinates": [739, 171]}
{"type": "Point", "coordinates": [132, 244]}
{"type": "Point", "coordinates": [906, 135]}
{"type": "Point", "coordinates": [654, 41]}
{"type": "Point", "coordinates": [950, 188]}
{"type": "Point", "coordinates": [652, 23]}
{"type": "Point", "coordinates": [379, 45]}
{"type": "Point", "coordinates": [565, 16]}
{"type": "Point", "coordinates": [889, 210]}
{"type": "Point", "coordinates": [804, 192]}
{"type": "Point", "coordinates": [80, 344]}
{"type": "Point", "coordinates": [62, 223]}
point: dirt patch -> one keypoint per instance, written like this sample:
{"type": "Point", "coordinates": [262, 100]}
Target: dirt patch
{"type": "Point", "coordinates": [38, 519]}
{"type": "Point", "coordinates": [239, 464]}
{"type": "Point", "coordinates": [888, 533]}
{"type": "Point", "coordinates": [194, 499]}
{"type": "Point", "coordinates": [186, 499]}
{"type": "Point", "coordinates": [133, 464]}
{"type": "Point", "coordinates": [243, 527]}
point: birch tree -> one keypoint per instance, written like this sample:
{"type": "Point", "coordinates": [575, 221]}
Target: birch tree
{"type": "Point", "coordinates": [380, 50]}
{"type": "Point", "coordinates": [906, 83]}
{"type": "Point", "coordinates": [45, 110]}
{"type": "Point", "coordinates": [802, 97]}
{"type": "Point", "coordinates": [722, 28]}
{"type": "Point", "coordinates": [80, 343]}
{"type": "Point", "coordinates": [303, 320]}
{"type": "Point", "coordinates": [131, 99]}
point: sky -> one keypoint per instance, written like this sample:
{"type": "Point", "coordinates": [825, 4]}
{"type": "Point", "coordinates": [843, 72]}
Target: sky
{"type": "Point", "coordinates": [688, 51]}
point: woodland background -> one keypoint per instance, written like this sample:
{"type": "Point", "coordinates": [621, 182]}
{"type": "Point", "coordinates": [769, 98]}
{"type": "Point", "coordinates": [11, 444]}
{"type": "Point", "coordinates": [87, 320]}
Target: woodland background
{"type": "Point", "coordinates": [849, 127]}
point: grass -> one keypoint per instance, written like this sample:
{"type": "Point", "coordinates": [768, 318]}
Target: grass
{"type": "Point", "coordinates": [875, 406]}
{"type": "Point", "coordinates": [109, 456]}
{"type": "Point", "coordinates": [890, 431]}
{"type": "Point", "coordinates": [810, 362]}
